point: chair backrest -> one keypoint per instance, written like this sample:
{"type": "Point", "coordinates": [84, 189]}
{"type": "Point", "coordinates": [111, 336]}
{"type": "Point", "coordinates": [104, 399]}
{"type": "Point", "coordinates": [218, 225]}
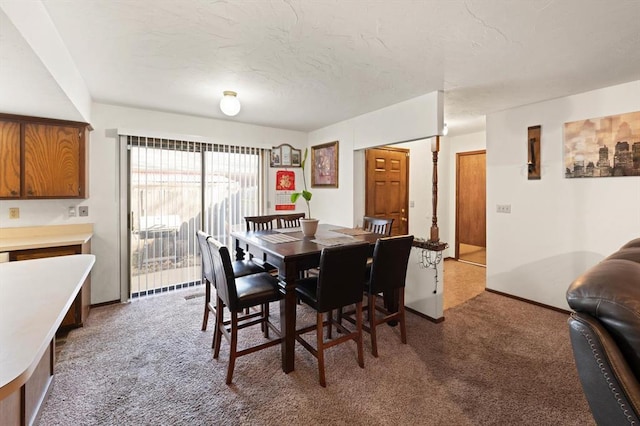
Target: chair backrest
{"type": "Point", "coordinates": [290, 220]}
{"type": "Point", "coordinates": [341, 277]}
{"type": "Point", "coordinates": [207, 263]}
{"type": "Point", "coordinates": [223, 274]}
{"type": "Point", "coordinates": [259, 223]}
{"type": "Point", "coordinates": [379, 225]}
{"type": "Point", "coordinates": [390, 260]}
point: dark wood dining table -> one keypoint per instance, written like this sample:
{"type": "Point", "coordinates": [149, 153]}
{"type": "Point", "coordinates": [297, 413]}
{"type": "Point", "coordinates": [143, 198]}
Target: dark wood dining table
{"type": "Point", "coordinates": [291, 258]}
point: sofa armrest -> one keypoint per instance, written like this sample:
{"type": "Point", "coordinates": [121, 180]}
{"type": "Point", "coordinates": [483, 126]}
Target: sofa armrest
{"type": "Point", "coordinates": [611, 388]}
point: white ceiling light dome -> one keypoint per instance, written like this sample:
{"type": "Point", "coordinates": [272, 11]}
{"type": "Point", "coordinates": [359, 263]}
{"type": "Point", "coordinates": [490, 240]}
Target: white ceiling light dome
{"type": "Point", "coordinates": [230, 105]}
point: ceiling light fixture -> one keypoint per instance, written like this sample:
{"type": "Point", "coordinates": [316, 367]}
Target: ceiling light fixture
{"type": "Point", "coordinates": [445, 130]}
{"type": "Point", "coordinates": [230, 105]}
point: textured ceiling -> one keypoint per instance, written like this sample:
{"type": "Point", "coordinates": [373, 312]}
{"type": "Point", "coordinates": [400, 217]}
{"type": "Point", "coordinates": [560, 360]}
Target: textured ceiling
{"type": "Point", "coordinates": [306, 64]}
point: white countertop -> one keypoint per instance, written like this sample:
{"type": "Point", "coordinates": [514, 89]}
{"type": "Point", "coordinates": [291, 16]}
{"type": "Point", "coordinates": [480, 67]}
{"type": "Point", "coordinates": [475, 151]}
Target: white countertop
{"type": "Point", "coordinates": [35, 295]}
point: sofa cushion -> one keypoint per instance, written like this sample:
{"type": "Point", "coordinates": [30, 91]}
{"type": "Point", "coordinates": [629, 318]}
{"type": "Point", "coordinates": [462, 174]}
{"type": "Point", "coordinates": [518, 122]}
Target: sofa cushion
{"type": "Point", "coordinates": [632, 243]}
{"type": "Point", "coordinates": [610, 292]}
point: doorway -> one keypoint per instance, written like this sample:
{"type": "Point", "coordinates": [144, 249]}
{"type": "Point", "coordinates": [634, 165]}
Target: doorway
{"type": "Point", "coordinates": [387, 186]}
{"type": "Point", "coordinates": [471, 222]}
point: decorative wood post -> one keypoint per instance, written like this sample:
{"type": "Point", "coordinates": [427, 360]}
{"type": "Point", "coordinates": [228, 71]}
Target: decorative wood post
{"type": "Point", "coordinates": [434, 242]}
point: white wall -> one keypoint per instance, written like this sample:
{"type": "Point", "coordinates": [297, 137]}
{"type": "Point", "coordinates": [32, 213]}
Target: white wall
{"type": "Point", "coordinates": [558, 227]}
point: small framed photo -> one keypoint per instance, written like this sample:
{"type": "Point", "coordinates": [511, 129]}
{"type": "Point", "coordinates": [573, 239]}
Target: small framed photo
{"type": "Point", "coordinates": [285, 156]}
{"type": "Point", "coordinates": [324, 165]}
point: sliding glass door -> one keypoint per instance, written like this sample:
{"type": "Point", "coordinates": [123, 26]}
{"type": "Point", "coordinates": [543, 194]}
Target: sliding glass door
{"type": "Point", "coordinates": [176, 188]}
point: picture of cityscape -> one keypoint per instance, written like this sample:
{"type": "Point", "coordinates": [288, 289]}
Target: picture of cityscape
{"type": "Point", "coordinates": [603, 147]}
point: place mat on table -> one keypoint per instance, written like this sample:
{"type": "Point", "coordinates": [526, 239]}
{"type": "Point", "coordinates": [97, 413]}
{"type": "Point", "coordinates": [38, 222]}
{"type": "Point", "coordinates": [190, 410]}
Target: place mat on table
{"type": "Point", "coordinates": [286, 230]}
{"type": "Point", "coordinates": [337, 241]}
{"type": "Point", "coordinates": [278, 238]}
{"type": "Point", "coordinates": [352, 231]}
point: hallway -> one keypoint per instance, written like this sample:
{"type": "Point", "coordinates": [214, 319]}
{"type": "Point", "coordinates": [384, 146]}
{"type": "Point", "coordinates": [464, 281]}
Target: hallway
{"type": "Point", "coordinates": [462, 281]}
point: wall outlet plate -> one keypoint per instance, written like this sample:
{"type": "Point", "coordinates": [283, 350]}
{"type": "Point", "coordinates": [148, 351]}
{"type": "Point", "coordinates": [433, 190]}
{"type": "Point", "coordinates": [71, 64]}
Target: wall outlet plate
{"type": "Point", "coordinates": [72, 211]}
{"type": "Point", "coordinates": [83, 211]}
{"type": "Point", "coordinates": [14, 213]}
{"type": "Point", "coordinates": [503, 208]}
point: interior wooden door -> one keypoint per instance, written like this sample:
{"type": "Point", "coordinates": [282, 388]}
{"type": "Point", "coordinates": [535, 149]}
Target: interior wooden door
{"type": "Point", "coordinates": [471, 221]}
{"type": "Point", "coordinates": [387, 186]}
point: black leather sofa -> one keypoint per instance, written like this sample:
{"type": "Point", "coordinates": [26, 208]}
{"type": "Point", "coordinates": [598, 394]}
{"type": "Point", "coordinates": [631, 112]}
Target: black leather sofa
{"type": "Point", "coordinates": [605, 335]}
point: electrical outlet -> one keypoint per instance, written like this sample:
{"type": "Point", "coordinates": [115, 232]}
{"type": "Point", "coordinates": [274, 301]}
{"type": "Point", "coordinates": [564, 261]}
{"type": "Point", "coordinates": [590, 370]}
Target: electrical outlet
{"type": "Point", "coordinates": [83, 211]}
{"type": "Point", "coordinates": [503, 208]}
{"type": "Point", "coordinates": [72, 211]}
{"type": "Point", "coordinates": [14, 213]}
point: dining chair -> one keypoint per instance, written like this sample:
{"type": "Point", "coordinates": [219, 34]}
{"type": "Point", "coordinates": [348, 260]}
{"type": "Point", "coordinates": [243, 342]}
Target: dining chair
{"type": "Point", "coordinates": [338, 284]}
{"type": "Point", "coordinates": [290, 220]}
{"type": "Point", "coordinates": [259, 223]}
{"type": "Point", "coordinates": [238, 294]}
{"type": "Point", "coordinates": [388, 274]}
{"type": "Point", "coordinates": [240, 268]}
{"type": "Point", "coordinates": [378, 225]}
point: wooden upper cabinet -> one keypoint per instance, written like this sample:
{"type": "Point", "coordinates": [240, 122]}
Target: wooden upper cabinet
{"type": "Point", "coordinates": [9, 159]}
{"type": "Point", "coordinates": [51, 161]}
{"type": "Point", "coordinates": [52, 157]}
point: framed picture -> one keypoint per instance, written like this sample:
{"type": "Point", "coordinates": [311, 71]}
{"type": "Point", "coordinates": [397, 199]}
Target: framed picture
{"type": "Point", "coordinates": [603, 146]}
{"type": "Point", "coordinates": [285, 156]}
{"type": "Point", "coordinates": [324, 165]}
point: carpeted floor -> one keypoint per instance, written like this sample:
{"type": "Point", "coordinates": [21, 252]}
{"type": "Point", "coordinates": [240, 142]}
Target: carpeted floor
{"type": "Point", "coordinates": [493, 361]}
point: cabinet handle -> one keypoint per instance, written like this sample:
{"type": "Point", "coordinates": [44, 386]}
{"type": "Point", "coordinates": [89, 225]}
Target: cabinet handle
{"type": "Point", "coordinates": [14, 192]}
{"type": "Point", "coordinates": [29, 192]}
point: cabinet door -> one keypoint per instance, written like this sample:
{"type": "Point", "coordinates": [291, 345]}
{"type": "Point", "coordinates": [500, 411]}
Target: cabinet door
{"type": "Point", "coordinates": [9, 159]}
{"type": "Point", "coordinates": [51, 161]}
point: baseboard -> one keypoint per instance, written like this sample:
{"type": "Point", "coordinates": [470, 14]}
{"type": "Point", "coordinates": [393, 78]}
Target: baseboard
{"type": "Point", "coordinates": [532, 302]}
{"type": "Point", "coordinates": [427, 317]}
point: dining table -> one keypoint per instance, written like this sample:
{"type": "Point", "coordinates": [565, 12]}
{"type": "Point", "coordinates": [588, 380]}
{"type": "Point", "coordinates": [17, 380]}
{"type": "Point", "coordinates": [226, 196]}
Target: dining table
{"type": "Point", "coordinates": [291, 253]}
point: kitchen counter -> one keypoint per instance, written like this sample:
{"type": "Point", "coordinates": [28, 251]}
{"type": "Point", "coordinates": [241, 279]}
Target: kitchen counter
{"type": "Point", "coordinates": [34, 297]}
{"type": "Point", "coordinates": [24, 238]}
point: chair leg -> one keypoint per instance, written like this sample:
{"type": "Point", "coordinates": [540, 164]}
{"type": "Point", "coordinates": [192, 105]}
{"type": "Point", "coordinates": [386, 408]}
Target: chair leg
{"type": "Point", "coordinates": [372, 324]}
{"type": "Point", "coordinates": [265, 318]}
{"type": "Point", "coordinates": [329, 324]}
{"type": "Point", "coordinates": [233, 346]}
{"type": "Point", "coordinates": [217, 333]}
{"type": "Point", "coordinates": [403, 328]}
{"type": "Point", "coordinates": [207, 299]}
{"type": "Point", "coordinates": [359, 331]}
{"type": "Point", "coordinates": [320, 346]}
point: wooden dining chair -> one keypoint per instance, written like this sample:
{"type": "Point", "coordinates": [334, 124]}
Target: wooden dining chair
{"type": "Point", "coordinates": [238, 294]}
{"type": "Point", "coordinates": [378, 225]}
{"type": "Point", "coordinates": [338, 284]}
{"type": "Point", "coordinates": [259, 223]}
{"type": "Point", "coordinates": [290, 220]}
{"type": "Point", "coordinates": [388, 274]}
{"type": "Point", "coordinates": [240, 268]}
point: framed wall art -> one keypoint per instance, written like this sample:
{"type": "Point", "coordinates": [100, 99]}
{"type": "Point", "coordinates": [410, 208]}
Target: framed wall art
{"type": "Point", "coordinates": [603, 147]}
{"type": "Point", "coordinates": [285, 156]}
{"type": "Point", "coordinates": [324, 165]}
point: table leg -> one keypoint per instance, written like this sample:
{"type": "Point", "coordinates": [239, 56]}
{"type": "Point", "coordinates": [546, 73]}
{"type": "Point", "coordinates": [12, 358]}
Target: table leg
{"type": "Point", "coordinates": [239, 250]}
{"type": "Point", "coordinates": [288, 316]}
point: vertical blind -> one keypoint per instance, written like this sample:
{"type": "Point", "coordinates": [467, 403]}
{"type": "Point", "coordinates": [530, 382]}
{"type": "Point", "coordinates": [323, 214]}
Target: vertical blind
{"type": "Point", "coordinates": [177, 187]}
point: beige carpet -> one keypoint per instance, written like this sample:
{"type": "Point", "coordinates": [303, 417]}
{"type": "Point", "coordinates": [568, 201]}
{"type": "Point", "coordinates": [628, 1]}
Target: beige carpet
{"type": "Point", "coordinates": [462, 281]}
{"type": "Point", "coordinates": [493, 361]}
